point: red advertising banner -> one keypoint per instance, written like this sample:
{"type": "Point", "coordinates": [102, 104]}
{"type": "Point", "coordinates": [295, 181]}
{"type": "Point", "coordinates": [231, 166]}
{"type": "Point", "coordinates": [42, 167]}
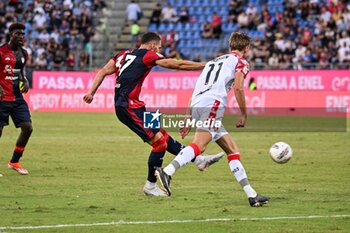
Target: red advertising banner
{"type": "Point", "coordinates": [47, 80]}
{"type": "Point", "coordinates": [258, 102]}
{"type": "Point", "coordinates": [305, 80]}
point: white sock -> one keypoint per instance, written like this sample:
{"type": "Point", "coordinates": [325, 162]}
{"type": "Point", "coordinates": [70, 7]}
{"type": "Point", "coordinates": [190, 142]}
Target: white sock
{"type": "Point", "coordinates": [241, 177]}
{"type": "Point", "coordinates": [150, 184]}
{"type": "Point", "coordinates": [184, 157]}
{"type": "Point", "coordinates": [238, 170]}
{"type": "Point", "coordinates": [249, 191]}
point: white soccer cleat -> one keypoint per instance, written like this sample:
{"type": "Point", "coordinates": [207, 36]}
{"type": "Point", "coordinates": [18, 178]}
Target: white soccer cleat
{"type": "Point", "coordinates": [204, 161]}
{"type": "Point", "coordinates": [153, 190]}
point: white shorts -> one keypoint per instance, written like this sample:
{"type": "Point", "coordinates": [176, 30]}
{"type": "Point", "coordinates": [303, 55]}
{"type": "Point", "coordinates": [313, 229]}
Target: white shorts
{"type": "Point", "coordinates": [212, 111]}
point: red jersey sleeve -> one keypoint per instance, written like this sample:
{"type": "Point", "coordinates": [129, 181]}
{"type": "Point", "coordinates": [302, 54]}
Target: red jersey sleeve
{"type": "Point", "coordinates": [150, 58]}
{"type": "Point", "coordinates": [242, 66]}
{"type": "Point", "coordinates": [118, 60]}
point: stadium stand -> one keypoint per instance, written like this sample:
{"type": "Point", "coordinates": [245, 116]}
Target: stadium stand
{"type": "Point", "coordinates": [309, 34]}
{"type": "Point", "coordinates": [83, 34]}
{"type": "Point", "coordinates": [59, 33]}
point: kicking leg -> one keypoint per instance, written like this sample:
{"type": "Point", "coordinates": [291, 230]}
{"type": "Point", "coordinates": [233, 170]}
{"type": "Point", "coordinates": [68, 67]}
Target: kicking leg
{"type": "Point", "coordinates": [159, 146]}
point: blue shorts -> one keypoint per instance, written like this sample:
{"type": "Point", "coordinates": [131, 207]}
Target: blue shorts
{"type": "Point", "coordinates": [18, 110]}
{"type": "Point", "coordinates": [133, 118]}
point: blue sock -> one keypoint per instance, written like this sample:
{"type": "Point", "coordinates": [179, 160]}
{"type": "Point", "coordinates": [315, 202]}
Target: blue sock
{"type": "Point", "coordinates": [155, 160]}
{"type": "Point", "coordinates": [174, 147]}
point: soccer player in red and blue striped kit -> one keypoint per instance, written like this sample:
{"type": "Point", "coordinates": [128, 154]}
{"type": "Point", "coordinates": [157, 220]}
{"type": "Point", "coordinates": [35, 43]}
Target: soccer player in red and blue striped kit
{"type": "Point", "coordinates": [131, 67]}
{"type": "Point", "coordinates": [12, 84]}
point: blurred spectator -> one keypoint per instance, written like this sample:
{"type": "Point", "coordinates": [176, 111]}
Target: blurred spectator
{"type": "Point", "coordinates": [273, 61]}
{"type": "Point", "coordinates": [72, 43]}
{"type": "Point", "coordinates": [39, 19]}
{"type": "Point", "coordinates": [44, 36]}
{"type": "Point", "coordinates": [300, 51]}
{"type": "Point", "coordinates": [207, 31]}
{"type": "Point", "coordinates": [83, 60]}
{"type": "Point", "coordinates": [184, 15]}
{"type": "Point", "coordinates": [325, 15]}
{"type": "Point", "coordinates": [173, 53]}
{"type": "Point", "coordinates": [40, 62]}
{"type": "Point", "coordinates": [171, 38]}
{"type": "Point", "coordinates": [169, 14]}
{"type": "Point", "coordinates": [133, 11]}
{"type": "Point", "coordinates": [59, 59]}
{"type": "Point", "coordinates": [197, 57]}
{"type": "Point", "coordinates": [98, 5]}
{"type": "Point", "coordinates": [243, 20]}
{"type": "Point", "coordinates": [135, 31]}
{"type": "Point", "coordinates": [216, 25]}
{"type": "Point", "coordinates": [156, 14]}
{"type": "Point", "coordinates": [344, 53]}
{"type": "Point", "coordinates": [235, 8]}
{"type": "Point", "coordinates": [70, 61]}
{"type": "Point", "coordinates": [251, 10]}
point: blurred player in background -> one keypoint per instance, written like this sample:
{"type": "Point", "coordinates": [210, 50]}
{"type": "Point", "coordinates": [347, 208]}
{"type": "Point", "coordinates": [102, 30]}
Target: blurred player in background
{"type": "Point", "coordinates": [131, 67]}
{"type": "Point", "coordinates": [12, 84]}
{"type": "Point", "coordinates": [208, 102]}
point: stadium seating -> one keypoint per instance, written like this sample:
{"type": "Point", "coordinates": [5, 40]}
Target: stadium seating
{"type": "Point", "coordinates": [201, 11]}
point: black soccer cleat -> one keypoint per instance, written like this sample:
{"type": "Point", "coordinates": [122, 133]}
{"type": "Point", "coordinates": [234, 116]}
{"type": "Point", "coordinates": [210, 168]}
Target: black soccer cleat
{"type": "Point", "coordinates": [164, 179]}
{"type": "Point", "coordinates": [258, 201]}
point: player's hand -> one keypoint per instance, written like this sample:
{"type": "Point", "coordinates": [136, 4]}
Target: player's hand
{"type": "Point", "coordinates": [2, 93]}
{"type": "Point", "coordinates": [88, 98]}
{"type": "Point", "coordinates": [184, 131]}
{"type": "Point", "coordinates": [241, 122]}
{"type": "Point", "coordinates": [24, 86]}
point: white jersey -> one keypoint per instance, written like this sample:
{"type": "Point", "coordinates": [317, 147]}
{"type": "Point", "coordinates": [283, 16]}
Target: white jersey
{"type": "Point", "coordinates": [217, 78]}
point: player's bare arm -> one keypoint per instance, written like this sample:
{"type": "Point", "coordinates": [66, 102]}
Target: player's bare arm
{"type": "Point", "coordinates": [100, 76]}
{"type": "Point", "coordinates": [2, 93]}
{"type": "Point", "coordinates": [240, 97]}
{"type": "Point", "coordinates": [180, 65]}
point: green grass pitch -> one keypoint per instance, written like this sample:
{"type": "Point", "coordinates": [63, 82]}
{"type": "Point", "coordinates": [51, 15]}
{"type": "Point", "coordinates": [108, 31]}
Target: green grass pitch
{"type": "Point", "coordinates": [87, 168]}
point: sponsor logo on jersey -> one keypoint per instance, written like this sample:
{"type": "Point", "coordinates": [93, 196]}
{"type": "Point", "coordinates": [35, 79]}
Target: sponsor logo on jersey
{"type": "Point", "coordinates": [7, 59]}
{"type": "Point", "coordinates": [11, 78]}
{"type": "Point", "coordinates": [8, 69]}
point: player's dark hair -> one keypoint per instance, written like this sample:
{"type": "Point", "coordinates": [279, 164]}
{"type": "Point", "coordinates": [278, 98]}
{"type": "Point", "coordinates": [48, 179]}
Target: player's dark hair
{"type": "Point", "coordinates": [16, 26]}
{"type": "Point", "coordinates": [239, 41]}
{"type": "Point", "coordinates": [150, 36]}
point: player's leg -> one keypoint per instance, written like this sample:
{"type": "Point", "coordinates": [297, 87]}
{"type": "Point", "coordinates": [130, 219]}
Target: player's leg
{"type": "Point", "coordinates": [133, 119]}
{"type": "Point", "coordinates": [22, 119]}
{"type": "Point", "coordinates": [227, 143]}
{"type": "Point", "coordinates": [4, 117]}
{"type": "Point", "coordinates": [198, 145]}
{"type": "Point", "coordinates": [201, 161]}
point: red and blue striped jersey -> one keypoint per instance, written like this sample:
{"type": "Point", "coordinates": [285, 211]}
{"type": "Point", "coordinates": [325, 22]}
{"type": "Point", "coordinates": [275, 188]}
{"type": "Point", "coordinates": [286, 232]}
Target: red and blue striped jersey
{"type": "Point", "coordinates": [11, 64]}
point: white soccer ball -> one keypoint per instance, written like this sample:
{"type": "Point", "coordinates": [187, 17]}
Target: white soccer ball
{"type": "Point", "coordinates": [281, 152]}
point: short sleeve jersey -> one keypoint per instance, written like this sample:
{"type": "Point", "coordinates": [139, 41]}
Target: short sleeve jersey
{"type": "Point", "coordinates": [217, 78]}
{"type": "Point", "coordinates": [131, 69]}
{"type": "Point", "coordinates": [11, 64]}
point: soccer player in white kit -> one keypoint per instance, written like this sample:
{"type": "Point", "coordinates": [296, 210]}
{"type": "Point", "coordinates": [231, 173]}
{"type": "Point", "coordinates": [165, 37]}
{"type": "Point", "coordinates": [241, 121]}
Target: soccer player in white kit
{"type": "Point", "coordinates": [208, 103]}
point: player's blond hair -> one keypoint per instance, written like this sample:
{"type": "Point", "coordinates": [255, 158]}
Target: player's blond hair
{"type": "Point", "coordinates": [239, 41]}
